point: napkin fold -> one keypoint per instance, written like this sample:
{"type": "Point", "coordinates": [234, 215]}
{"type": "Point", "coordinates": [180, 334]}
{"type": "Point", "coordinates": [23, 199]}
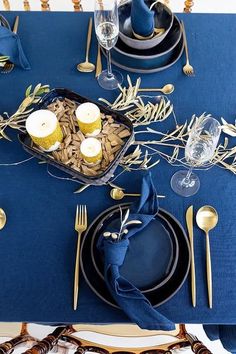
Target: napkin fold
{"type": "Point", "coordinates": [142, 18]}
{"type": "Point", "coordinates": [128, 297]}
{"type": "Point", "coordinates": [10, 45]}
{"type": "Point", "coordinates": [226, 334]}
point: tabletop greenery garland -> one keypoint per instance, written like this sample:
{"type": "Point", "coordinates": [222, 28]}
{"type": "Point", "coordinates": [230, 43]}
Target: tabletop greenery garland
{"type": "Point", "coordinates": [169, 145]}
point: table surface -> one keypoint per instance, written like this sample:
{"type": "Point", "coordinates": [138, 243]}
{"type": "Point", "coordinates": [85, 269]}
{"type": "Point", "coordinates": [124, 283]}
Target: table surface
{"type": "Point", "coordinates": [37, 246]}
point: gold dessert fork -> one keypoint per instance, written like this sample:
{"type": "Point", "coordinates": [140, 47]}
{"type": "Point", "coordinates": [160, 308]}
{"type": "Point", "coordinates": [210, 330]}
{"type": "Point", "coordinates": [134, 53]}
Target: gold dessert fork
{"type": "Point", "coordinates": [8, 67]}
{"type": "Point", "coordinates": [80, 227]}
{"type": "Point", "coordinates": [187, 69]}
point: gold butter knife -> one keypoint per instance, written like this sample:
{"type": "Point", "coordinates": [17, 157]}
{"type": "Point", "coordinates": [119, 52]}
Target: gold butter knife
{"type": "Point", "coordinates": [99, 62]}
{"type": "Point", "coordinates": [189, 221]}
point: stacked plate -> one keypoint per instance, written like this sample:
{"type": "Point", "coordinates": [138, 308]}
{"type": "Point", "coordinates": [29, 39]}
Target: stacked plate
{"type": "Point", "coordinates": [157, 261]}
{"type": "Point", "coordinates": [151, 55]}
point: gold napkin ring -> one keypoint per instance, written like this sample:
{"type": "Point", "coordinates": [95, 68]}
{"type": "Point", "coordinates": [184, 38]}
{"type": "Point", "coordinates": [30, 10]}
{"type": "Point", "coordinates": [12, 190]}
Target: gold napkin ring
{"type": "Point", "coordinates": [156, 32]}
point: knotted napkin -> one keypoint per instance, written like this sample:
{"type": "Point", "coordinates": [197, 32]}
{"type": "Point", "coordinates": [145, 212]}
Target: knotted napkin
{"type": "Point", "coordinates": [128, 297]}
{"type": "Point", "coordinates": [10, 46]}
{"type": "Point", "coordinates": [226, 334]}
{"type": "Point", "coordinates": [142, 18]}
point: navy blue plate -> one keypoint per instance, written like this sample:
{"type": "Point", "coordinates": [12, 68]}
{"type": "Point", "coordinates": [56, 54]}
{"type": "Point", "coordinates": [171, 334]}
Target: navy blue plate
{"type": "Point", "coordinates": [158, 295]}
{"type": "Point", "coordinates": [152, 256]}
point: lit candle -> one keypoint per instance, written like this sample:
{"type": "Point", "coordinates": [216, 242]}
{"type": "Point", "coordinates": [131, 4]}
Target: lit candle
{"type": "Point", "coordinates": [44, 129]}
{"type": "Point", "coordinates": [91, 150]}
{"type": "Point", "coordinates": [89, 119]}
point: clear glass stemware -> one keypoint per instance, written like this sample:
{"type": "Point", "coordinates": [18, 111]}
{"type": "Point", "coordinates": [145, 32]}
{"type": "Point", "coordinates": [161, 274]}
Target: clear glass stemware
{"type": "Point", "coordinates": [107, 30]}
{"type": "Point", "coordinates": [200, 148]}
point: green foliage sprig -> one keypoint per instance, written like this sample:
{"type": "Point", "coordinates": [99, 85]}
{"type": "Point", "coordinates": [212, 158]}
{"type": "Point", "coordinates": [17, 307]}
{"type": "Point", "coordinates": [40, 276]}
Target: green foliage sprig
{"type": "Point", "coordinates": [17, 120]}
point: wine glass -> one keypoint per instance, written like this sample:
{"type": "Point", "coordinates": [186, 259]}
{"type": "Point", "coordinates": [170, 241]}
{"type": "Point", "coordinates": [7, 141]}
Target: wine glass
{"type": "Point", "coordinates": [200, 148]}
{"type": "Point", "coordinates": [107, 30]}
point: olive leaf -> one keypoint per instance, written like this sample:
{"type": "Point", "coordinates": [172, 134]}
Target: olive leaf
{"type": "Point", "coordinates": [17, 120]}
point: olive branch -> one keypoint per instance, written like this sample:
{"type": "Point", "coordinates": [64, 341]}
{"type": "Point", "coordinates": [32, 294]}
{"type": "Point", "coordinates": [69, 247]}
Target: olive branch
{"type": "Point", "coordinates": [17, 120]}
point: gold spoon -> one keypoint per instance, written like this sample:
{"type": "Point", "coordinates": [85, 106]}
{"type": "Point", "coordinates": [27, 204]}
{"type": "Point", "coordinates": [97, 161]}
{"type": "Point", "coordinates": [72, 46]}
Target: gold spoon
{"type": "Point", "coordinates": [3, 219]}
{"type": "Point", "coordinates": [207, 219]}
{"type": "Point", "coordinates": [87, 67]}
{"type": "Point", "coordinates": [167, 89]}
{"type": "Point", "coordinates": [118, 194]}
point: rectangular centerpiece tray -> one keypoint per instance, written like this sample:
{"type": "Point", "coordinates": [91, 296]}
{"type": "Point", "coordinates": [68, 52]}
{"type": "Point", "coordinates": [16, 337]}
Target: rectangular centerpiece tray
{"type": "Point", "coordinates": [99, 179]}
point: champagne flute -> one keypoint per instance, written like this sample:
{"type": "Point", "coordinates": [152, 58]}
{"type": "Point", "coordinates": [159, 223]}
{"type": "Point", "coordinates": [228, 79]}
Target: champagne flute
{"type": "Point", "coordinates": [107, 30]}
{"type": "Point", "coordinates": [200, 148]}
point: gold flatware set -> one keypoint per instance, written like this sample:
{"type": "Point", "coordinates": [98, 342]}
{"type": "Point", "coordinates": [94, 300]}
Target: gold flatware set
{"type": "Point", "coordinates": [189, 221]}
{"type": "Point", "coordinates": [167, 89]}
{"type": "Point", "coordinates": [81, 225]}
{"type": "Point", "coordinates": [187, 68]}
{"type": "Point", "coordinates": [118, 194]}
{"type": "Point", "coordinates": [86, 66]}
{"type": "Point", "coordinates": [206, 219]}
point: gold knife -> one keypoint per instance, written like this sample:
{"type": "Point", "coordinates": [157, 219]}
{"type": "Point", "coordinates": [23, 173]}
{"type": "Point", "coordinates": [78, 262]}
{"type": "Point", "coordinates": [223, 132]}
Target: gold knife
{"type": "Point", "coordinates": [16, 25]}
{"type": "Point", "coordinates": [189, 221]}
{"type": "Point", "coordinates": [99, 62]}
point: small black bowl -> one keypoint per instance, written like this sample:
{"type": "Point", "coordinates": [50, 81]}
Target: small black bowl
{"type": "Point", "coordinates": [163, 19]}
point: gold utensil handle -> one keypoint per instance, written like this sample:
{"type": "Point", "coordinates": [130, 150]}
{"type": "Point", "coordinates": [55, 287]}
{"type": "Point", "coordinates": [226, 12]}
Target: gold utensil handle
{"type": "Point", "coordinates": [99, 62]}
{"type": "Point", "coordinates": [76, 278]}
{"type": "Point", "coordinates": [89, 37]}
{"type": "Point", "coordinates": [209, 273]}
{"type": "Point", "coordinates": [150, 90]}
{"type": "Point", "coordinates": [16, 24]}
{"type": "Point", "coordinates": [189, 222]}
{"type": "Point", "coordinates": [193, 278]}
{"type": "Point", "coordinates": [185, 41]}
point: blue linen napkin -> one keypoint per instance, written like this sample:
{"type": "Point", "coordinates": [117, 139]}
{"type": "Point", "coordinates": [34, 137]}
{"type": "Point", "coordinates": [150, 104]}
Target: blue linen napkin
{"type": "Point", "coordinates": [142, 19]}
{"type": "Point", "coordinates": [226, 334]}
{"type": "Point", "coordinates": [127, 296]}
{"type": "Point", "coordinates": [10, 45]}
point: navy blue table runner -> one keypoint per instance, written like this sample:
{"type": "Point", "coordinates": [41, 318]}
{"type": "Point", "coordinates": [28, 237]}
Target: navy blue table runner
{"type": "Point", "coordinates": [37, 247]}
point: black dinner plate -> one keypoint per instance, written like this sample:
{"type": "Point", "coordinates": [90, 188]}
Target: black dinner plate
{"type": "Point", "coordinates": [152, 256]}
{"type": "Point", "coordinates": [148, 61]}
{"type": "Point", "coordinates": [147, 67]}
{"type": "Point", "coordinates": [157, 296]}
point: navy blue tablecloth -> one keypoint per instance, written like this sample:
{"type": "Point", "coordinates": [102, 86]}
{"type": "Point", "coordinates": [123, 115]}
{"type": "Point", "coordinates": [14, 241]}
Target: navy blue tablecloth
{"type": "Point", "coordinates": [37, 247]}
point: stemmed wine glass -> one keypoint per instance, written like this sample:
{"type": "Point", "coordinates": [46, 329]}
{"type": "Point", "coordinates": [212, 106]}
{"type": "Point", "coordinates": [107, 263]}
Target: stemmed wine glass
{"type": "Point", "coordinates": [200, 148]}
{"type": "Point", "coordinates": [107, 30]}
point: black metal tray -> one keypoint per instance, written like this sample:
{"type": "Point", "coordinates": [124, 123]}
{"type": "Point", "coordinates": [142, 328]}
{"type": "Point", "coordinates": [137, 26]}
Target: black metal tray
{"type": "Point", "coordinates": [100, 179]}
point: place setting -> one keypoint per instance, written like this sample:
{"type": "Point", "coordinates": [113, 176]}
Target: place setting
{"type": "Point", "coordinates": [136, 36]}
{"type": "Point", "coordinates": [11, 51]}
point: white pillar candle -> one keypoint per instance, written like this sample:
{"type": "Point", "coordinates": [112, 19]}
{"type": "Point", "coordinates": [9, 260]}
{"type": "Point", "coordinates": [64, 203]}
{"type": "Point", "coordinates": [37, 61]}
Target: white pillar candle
{"type": "Point", "coordinates": [44, 129]}
{"type": "Point", "coordinates": [89, 119]}
{"type": "Point", "coordinates": [91, 150]}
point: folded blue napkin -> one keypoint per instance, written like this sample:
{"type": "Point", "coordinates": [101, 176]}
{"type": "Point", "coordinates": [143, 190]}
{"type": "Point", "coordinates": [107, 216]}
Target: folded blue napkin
{"type": "Point", "coordinates": [127, 296]}
{"type": "Point", "coordinates": [226, 334]}
{"type": "Point", "coordinates": [10, 46]}
{"type": "Point", "coordinates": [142, 19]}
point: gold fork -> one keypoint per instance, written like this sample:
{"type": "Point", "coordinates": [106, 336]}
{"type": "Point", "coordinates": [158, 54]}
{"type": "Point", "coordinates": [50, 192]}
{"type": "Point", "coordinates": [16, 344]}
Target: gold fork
{"type": "Point", "coordinates": [8, 67]}
{"type": "Point", "coordinates": [80, 227]}
{"type": "Point", "coordinates": [187, 69]}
